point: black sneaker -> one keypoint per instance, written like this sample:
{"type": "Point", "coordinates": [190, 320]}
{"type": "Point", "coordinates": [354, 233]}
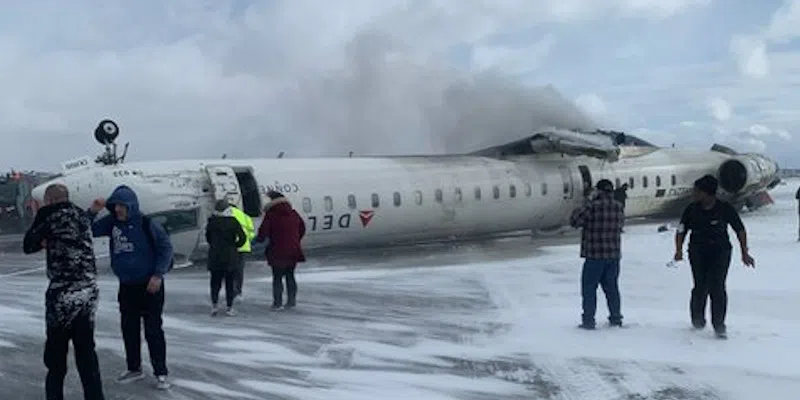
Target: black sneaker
{"type": "Point", "coordinates": [588, 327]}
{"type": "Point", "coordinates": [721, 333]}
{"type": "Point", "coordinates": [698, 324]}
{"type": "Point", "coordinates": [617, 324]}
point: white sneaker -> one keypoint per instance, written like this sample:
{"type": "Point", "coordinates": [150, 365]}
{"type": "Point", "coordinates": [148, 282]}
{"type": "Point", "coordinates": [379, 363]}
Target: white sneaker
{"type": "Point", "coordinates": [214, 310]}
{"type": "Point", "coordinates": [162, 383]}
{"type": "Point", "coordinates": [231, 312]}
{"type": "Point", "coordinates": [130, 376]}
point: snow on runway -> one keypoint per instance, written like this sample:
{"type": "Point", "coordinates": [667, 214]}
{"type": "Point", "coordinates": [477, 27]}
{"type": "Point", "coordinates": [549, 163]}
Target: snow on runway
{"type": "Point", "coordinates": [484, 321]}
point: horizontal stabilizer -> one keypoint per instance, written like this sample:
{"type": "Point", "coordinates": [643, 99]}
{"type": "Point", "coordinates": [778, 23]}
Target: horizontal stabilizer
{"type": "Point", "coordinates": [592, 144]}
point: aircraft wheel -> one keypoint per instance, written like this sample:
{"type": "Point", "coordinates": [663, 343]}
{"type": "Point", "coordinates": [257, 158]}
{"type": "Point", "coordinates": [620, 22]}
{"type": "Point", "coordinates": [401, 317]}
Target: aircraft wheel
{"type": "Point", "coordinates": [106, 132]}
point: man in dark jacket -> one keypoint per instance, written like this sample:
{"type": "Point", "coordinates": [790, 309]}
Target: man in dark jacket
{"type": "Point", "coordinates": [710, 251]}
{"type": "Point", "coordinates": [224, 235]}
{"type": "Point", "coordinates": [283, 227]}
{"type": "Point", "coordinates": [602, 220]}
{"type": "Point", "coordinates": [71, 298]}
{"type": "Point", "coordinates": [140, 267]}
{"type": "Point", "coordinates": [797, 197]}
{"type": "Point", "coordinates": [621, 195]}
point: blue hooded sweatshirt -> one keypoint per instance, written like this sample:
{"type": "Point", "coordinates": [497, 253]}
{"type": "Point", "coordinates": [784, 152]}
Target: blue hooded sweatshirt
{"type": "Point", "coordinates": [133, 259]}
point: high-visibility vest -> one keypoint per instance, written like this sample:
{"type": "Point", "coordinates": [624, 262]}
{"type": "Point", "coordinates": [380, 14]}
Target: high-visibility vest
{"type": "Point", "coordinates": [247, 226]}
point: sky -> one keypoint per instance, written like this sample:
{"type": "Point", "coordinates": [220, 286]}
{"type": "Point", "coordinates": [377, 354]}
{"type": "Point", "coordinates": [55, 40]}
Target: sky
{"type": "Point", "coordinates": [203, 78]}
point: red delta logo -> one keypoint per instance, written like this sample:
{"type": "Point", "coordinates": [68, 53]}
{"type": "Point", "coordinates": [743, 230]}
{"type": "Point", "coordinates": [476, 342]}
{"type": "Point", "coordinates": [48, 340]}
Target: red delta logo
{"type": "Point", "coordinates": [365, 217]}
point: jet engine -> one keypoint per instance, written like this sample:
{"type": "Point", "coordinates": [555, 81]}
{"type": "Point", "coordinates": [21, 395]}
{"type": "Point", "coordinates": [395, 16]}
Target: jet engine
{"type": "Point", "coordinates": [745, 174]}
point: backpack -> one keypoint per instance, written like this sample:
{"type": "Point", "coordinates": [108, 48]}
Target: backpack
{"type": "Point", "coordinates": [148, 233]}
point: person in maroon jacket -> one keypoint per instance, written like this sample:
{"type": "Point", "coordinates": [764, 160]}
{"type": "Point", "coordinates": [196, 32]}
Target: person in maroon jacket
{"type": "Point", "coordinates": [283, 229]}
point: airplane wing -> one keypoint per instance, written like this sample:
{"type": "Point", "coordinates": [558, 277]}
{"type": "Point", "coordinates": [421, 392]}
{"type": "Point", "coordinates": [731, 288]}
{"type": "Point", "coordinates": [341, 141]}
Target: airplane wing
{"type": "Point", "coordinates": [598, 144]}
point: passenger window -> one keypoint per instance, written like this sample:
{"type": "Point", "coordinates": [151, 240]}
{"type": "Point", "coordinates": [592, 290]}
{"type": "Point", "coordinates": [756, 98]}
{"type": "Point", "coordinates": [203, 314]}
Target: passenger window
{"type": "Point", "coordinates": [438, 195]}
{"type": "Point", "coordinates": [631, 182]}
{"type": "Point", "coordinates": [658, 181]}
{"type": "Point", "coordinates": [418, 197]}
{"type": "Point", "coordinates": [376, 200]}
{"type": "Point", "coordinates": [644, 181]}
{"type": "Point", "coordinates": [306, 205]}
{"type": "Point", "coordinates": [328, 203]}
{"type": "Point", "coordinates": [496, 192]}
{"type": "Point", "coordinates": [477, 193]}
{"type": "Point", "coordinates": [351, 202]}
{"type": "Point", "coordinates": [512, 191]}
{"type": "Point", "coordinates": [674, 180]}
{"type": "Point", "coordinates": [458, 195]}
{"type": "Point", "coordinates": [397, 199]}
{"type": "Point", "coordinates": [528, 189]}
{"type": "Point", "coordinates": [177, 221]}
{"type": "Point", "coordinates": [544, 188]}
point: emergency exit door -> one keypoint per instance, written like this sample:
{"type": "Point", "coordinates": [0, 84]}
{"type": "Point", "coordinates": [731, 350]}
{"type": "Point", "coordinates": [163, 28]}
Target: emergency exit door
{"type": "Point", "coordinates": [225, 185]}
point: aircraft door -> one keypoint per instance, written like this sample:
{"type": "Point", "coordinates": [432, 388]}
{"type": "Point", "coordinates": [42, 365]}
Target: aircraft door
{"type": "Point", "coordinates": [225, 184]}
{"type": "Point", "coordinates": [586, 176]}
{"type": "Point", "coordinates": [566, 178]}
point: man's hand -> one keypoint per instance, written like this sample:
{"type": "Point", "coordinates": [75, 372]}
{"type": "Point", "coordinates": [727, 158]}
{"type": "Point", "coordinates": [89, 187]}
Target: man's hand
{"type": "Point", "coordinates": [748, 260]}
{"type": "Point", "coordinates": [678, 256]}
{"type": "Point", "coordinates": [44, 243]}
{"type": "Point", "coordinates": [97, 205]}
{"type": "Point", "coordinates": [154, 285]}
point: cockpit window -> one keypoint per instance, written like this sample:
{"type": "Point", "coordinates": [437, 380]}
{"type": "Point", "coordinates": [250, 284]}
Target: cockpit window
{"type": "Point", "coordinates": [175, 221]}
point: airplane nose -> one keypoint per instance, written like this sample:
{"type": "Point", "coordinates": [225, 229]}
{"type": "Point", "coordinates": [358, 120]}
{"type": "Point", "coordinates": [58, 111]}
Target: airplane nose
{"type": "Point", "coordinates": [38, 193]}
{"type": "Point", "coordinates": [37, 197]}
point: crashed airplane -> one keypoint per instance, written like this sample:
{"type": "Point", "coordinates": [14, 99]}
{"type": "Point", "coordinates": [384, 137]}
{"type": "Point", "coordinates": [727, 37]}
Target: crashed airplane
{"type": "Point", "coordinates": [531, 184]}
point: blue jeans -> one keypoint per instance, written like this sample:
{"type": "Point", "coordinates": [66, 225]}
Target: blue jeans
{"type": "Point", "coordinates": [606, 274]}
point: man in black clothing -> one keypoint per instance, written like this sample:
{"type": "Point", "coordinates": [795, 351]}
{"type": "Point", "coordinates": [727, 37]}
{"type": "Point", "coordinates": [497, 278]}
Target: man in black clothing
{"type": "Point", "coordinates": [797, 197]}
{"type": "Point", "coordinates": [71, 298]}
{"type": "Point", "coordinates": [621, 194]}
{"type": "Point", "coordinates": [710, 251]}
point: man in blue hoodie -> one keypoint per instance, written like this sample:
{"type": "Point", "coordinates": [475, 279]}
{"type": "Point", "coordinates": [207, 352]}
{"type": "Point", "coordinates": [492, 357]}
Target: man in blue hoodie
{"type": "Point", "coordinates": [139, 259]}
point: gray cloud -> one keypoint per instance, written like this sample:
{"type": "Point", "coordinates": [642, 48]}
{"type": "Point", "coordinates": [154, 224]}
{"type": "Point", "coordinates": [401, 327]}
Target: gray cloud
{"type": "Point", "coordinates": [184, 78]}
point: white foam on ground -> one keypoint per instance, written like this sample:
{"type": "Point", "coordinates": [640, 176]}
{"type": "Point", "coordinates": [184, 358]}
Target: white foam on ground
{"type": "Point", "coordinates": [210, 388]}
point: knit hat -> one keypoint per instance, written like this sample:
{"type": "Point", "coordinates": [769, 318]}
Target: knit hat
{"type": "Point", "coordinates": [221, 205]}
{"type": "Point", "coordinates": [707, 184]}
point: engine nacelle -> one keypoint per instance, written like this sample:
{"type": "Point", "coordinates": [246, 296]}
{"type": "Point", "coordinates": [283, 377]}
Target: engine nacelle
{"type": "Point", "coordinates": [746, 173]}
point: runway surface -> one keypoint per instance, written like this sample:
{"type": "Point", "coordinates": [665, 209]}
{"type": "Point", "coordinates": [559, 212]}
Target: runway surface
{"type": "Point", "coordinates": [490, 320]}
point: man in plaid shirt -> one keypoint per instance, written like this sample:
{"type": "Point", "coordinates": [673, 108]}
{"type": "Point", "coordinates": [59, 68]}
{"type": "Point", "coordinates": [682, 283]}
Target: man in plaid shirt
{"type": "Point", "coordinates": [602, 219]}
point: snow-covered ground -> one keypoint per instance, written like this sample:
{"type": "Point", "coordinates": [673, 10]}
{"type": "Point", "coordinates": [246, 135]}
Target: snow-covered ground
{"type": "Point", "coordinates": [482, 321]}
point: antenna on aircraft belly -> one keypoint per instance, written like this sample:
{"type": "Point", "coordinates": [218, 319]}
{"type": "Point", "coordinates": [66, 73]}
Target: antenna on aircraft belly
{"type": "Point", "coordinates": [106, 134]}
{"type": "Point", "coordinates": [280, 155]}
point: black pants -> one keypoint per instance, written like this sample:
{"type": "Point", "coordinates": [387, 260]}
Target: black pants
{"type": "Point", "coordinates": [710, 271]}
{"type": "Point", "coordinates": [56, 348]}
{"type": "Point", "coordinates": [278, 274]}
{"type": "Point", "coordinates": [135, 305]}
{"type": "Point", "coordinates": [239, 274]}
{"type": "Point", "coordinates": [216, 284]}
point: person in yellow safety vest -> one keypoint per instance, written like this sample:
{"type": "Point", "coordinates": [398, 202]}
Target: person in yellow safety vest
{"type": "Point", "coordinates": [247, 226]}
